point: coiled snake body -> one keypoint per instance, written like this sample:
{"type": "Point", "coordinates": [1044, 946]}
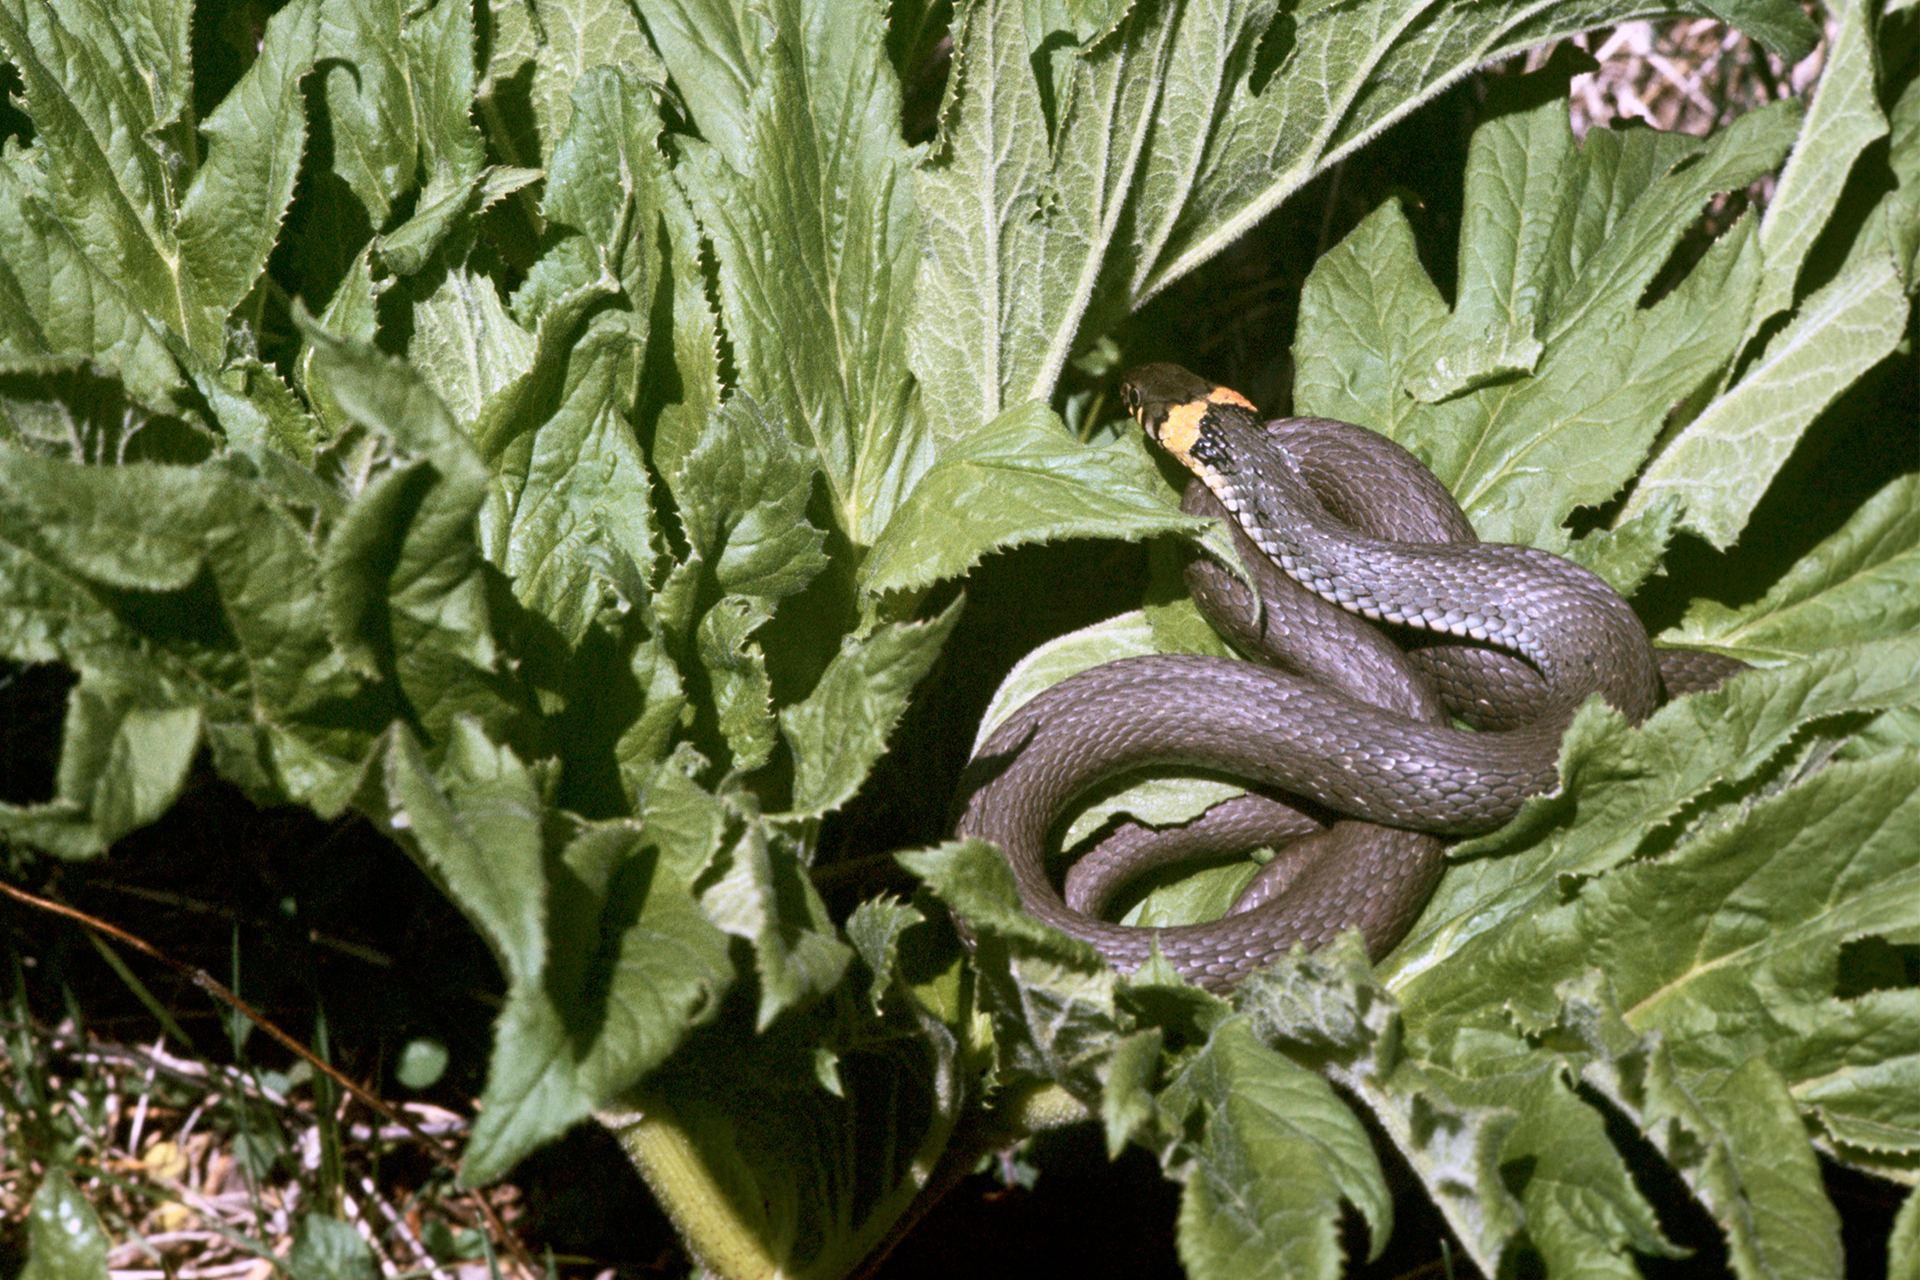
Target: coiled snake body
{"type": "Point", "coordinates": [1332, 521]}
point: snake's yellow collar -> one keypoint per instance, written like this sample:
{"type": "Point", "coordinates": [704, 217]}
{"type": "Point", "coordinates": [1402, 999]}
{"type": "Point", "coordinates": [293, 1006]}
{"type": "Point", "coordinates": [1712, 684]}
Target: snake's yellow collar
{"type": "Point", "coordinates": [1181, 427]}
{"type": "Point", "coordinates": [1175, 408]}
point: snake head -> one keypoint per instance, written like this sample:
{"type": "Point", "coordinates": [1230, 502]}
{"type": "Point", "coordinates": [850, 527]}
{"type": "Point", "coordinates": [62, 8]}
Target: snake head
{"type": "Point", "coordinates": [1174, 406]}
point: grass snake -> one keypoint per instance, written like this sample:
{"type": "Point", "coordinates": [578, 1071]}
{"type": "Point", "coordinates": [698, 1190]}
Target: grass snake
{"type": "Point", "coordinates": [1348, 738]}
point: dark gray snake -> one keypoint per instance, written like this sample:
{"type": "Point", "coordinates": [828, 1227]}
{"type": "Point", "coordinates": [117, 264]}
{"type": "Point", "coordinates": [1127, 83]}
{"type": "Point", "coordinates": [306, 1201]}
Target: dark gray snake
{"type": "Point", "coordinates": [1332, 521]}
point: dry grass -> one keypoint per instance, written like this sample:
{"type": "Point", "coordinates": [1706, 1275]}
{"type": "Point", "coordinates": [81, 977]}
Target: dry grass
{"type": "Point", "coordinates": [204, 1172]}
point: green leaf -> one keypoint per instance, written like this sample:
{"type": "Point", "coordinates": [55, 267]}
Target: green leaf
{"type": "Point", "coordinates": [1734, 933]}
{"type": "Point", "coordinates": [873, 930]}
{"type": "Point", "coordinates": [439, 46]}
{"type": "Point", "coordinates": [763, 894]}
{"type": "Point", "coordinates": [573, 485]}
{"type": "Point", "coordinates": [325, 1248]}
{"type": "Point", "coordinates": [1721, 463]}
{"type": "Point", "coordinates": [521, 403]}
{"type": "Point", "coordinates": [1278, 1155]}
{"type": "Point", "coordinates": [1329, 1008]}
{"type": "Point", "coordinates": [387, 395]}
{"type": "Point", "coordinates": [1848, 833]}
{"type": "Point", "coordinates": [1583, 1211]}
{"type": "Point", "coordinates": [404, 570]}
{"type": "Point", "coordinates": [466, 345]}
{"type": "Point", "coordinates": [442, 591]}
{"type": "Point", "coordinates": [1051, 997]}
{"type": "Point", "coordinates": [1733, 1136]}
{"type": "Point", "coordinates": [1127, 1104]}
{"type": "Point", "coordinates": [230, 215]}
{"type": "Point", "coordinates": [608, 959]}
{"type": "Point", "coordinates": [815, 251]}
{"type": "Point", "coordinates": [1787, 32]}
{"type": "Point", "coordinates": [687, 402]}
{"type": "Point", "coordinates": [717, 54]}
{"type": "Point", "coordinates": [538, 56]}
{"type": "Point", "coordinates": [64, 1237]}
{"type": "Point", "coordinates": [744, 492]}
{"type": "Point", "coordinates": [1021, 479]}
{"type": "Point", "coordinates": [1858, 584]}
{"type": "Point", "coordinates": [477, 833]}
{"type": "Point", "coordinates": [159, 530]}
{"type": "Point", "coordinates": [406, 597]}
{"type": "Point", "coordinates": [1843, 119]}
{"type": "Point", "coordinates": [736, 667]}
{"type": "Point", "coordinates": [1903, 1249]}
{"type": "Point", "coordinates": [644, 740]}
{"type": "Point", "coordinates": [122, 765]}
{"type": "Point", "coordinates": [1522, 454]}
{"type": "Point", "coordinates": [1622, 787]}
{"type": "Point", "coordinates": [369, 97]}
{"type": "Point", "coordinates": [50, 615]}
{"type": "Point", "coordinates": [1630, 552]}
{"type": "Point", "coordinates": [841, 728]}
{"type": "Point", "coordinates": [603, 195]}
{"type": "Point", "coordinates": [1517, 162]}
{"type": "Point", "coordinates": [1017, 220]}
{"type": "Point", "coordinates": [105, 183]}
{"type": "Point", "coordinates": [1350, 73]}
{"type": "Point", "coordinates": [1069, 187]}
{"type": "Point", "coordinates": [60, 301]}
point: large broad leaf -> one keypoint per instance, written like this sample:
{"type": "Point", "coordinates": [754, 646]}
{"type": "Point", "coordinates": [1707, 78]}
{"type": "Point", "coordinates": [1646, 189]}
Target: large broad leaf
{"type": "Point", "coordinates": [1587, 375]}
{"type": "Point", "coordinates": [1862, 583]}
{"type": "Point", "coordinates": [537, 56]}
{"type": "Point", "coordinates": [840, 729]}
{"type": "Point", "coordinates": [189, 593]}
{"type": "Point", "coordinates": [1277, 1154]}
{"type": "Point", "coordinates": [1019, 479]}
{"type": "Point", "coordinates": [608, 959]}
{"type": "Point", "coordinates": [187, 251]}
{"type": "Point", "coordinates": [249, 607]}
{"type": "Point", "coordinates": [1069, 188]}
{"type": "Point", "coordinates": [406, 572]}
{"type": "Point", "coordinates": [1840, 625]}
{"type": "Point", "coordinates": [1721, 462]}
{"type": "Point", "coordinates": [59, 301]}
{"type": "Point", "coordinates": [1052, 998]}
{"type": "Point", "coordinates": [803, 183]}
{"type": "Point", "coordinates": [1716, 469]}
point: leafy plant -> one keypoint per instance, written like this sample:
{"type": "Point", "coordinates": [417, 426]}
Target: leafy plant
{"type": "Point", "coordinates": [585, 537]}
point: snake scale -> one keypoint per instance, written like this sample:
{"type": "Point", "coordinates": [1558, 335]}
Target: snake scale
{"type": "Point", "coordinates": [1348, 738]}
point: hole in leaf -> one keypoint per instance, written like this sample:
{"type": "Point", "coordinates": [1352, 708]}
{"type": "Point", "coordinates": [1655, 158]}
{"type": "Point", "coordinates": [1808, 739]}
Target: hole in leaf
{"type": "Point", "coordinates": [1873, 964]}
{"type": "Point", "coordinates": [14, 123]}
{"type": "Point", "coordinates": [1276, 42]}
